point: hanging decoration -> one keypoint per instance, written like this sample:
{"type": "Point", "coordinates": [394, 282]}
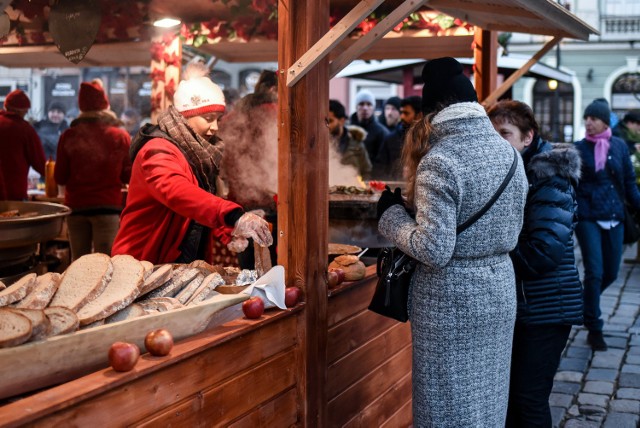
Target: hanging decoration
{"type": "Point", "coordinates": [166, 60]}
{"type": "Point", "coordinates": [74, 25]}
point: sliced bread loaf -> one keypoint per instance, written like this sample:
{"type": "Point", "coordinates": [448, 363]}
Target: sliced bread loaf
{"type": "Point", "coordinates": [186, 293]}
{"type": "Point", "coordinates": [39, 322]}
{"type": "Point", "coordinates": [160, 304]}
{"type": "Point", "coordinates": [124, 287]}
{"type": "Point", "coordinates": [134, 310]}
{"type": "Point", "coordinates": [18, 290]}
{"type": "Point", "coordinates": [63, 320]}
{"type": "Point", "coordinates": [83, 281]}
{"type": "Point", "coordinates": [156, 279]}
{"type": "Point", "coordinates": [15, 328]}
{"type": "Point", "coordinates": [180, 277]}
{"type": "Point", "coordinates": [206, 289]}
{"type": "Point", "coordinates": [46, 286]}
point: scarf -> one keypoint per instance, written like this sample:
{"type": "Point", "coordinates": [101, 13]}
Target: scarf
{"type": "Point", "coordinates": [203, 156]}
{"type": "Point", "coordinates": [602, 143]}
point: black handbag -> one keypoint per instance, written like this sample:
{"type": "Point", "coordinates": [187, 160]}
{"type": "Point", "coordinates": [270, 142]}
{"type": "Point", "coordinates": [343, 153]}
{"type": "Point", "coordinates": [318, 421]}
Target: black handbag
{"type": "Point", "coordinates": [395, 268]}
{"type": "Point", "coordinates": [630, 223]}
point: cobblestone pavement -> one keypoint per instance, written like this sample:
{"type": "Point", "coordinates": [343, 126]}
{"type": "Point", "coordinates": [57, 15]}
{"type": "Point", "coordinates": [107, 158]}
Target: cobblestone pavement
{"type": "Point", "coordinates": [602, 389]}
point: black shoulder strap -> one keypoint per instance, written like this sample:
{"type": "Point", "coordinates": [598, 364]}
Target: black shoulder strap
{"type": "Point", "coordinates": [494, 198]}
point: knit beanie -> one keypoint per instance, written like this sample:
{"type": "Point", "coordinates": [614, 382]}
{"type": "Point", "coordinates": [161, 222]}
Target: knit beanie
{"type": "Point", "coordinates": [17, 100]}
{"type": "Point", "coordinates": [365, 96]}
{"type": "Point", "coordinates": [444, 84]}
{"type": "Point", "coordinates": [394, 101]}
{"type": "Point", "coordinates": [197, 94]}
{"type": "Point", "coordinates": [632, 116]}
{"type": "Point", "coordinates": [57, 105]}
{"type": "Point", "coordinates": [92, 97]}
{"type": "Point", "coordinates": [600, 109]}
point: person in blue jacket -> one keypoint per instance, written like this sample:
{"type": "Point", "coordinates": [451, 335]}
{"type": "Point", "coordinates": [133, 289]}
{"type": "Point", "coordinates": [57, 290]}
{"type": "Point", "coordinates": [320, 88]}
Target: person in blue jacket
{"type": "Point", "coordinates": [607, 180]}
{"type": "Point", "coordinates": [548, 286]}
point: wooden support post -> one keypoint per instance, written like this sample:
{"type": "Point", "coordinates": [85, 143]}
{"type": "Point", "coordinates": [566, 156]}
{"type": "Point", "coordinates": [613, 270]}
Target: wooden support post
{"type": "Point", "coordinates": [493, 97]}
{"type": "Point", "coordinates": [303, 192]}
{"type": "Point", "coordinates": [486, 60]}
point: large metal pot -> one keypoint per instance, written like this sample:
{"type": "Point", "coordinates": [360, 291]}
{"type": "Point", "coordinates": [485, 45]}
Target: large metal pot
{"type": "Point", "coordinates": [19, 236]}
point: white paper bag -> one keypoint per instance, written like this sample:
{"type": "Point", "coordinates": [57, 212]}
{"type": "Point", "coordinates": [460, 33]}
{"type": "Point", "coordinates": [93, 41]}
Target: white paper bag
{"type": "Point", "coordinates": [270, 288]}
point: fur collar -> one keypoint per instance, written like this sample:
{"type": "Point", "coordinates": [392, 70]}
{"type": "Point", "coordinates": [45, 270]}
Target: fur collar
{"type": "Point", "coordinates": [356, 132]}
{"type": "Point", "coordinates": [562, 160]}
{"type": "Point", "coordinates": [464, 110]}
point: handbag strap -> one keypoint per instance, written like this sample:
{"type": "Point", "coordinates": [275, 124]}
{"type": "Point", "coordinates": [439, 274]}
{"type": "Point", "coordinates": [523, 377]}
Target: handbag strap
{"type": "Point", "coordinates": [494, 198]}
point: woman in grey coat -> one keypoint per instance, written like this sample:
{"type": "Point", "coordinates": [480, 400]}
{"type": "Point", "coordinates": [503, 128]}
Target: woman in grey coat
{"type": "Point", "coordinates": [462, 302]}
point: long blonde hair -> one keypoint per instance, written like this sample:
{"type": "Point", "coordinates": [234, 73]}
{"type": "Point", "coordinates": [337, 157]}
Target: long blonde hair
{"type": "Point", "coordinates": [416, 145]}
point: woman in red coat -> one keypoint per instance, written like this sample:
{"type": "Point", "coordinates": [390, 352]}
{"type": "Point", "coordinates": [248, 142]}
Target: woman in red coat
{"type": "Point", "coordinates": [172, 210]}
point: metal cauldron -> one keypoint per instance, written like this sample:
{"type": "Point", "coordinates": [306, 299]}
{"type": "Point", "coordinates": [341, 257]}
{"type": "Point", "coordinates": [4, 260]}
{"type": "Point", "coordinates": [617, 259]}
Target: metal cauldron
{"type": "Point", "coordinates": [20, 236]}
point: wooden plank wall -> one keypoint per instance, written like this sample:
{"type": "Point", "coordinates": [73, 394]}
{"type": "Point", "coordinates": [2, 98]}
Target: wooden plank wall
{"type": "Point", "coordinates": [248, 381]}
{"type": "Point", "coordinates": [369, 363]}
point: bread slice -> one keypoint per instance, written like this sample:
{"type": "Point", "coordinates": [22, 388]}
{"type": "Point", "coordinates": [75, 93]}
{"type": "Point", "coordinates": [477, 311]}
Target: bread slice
{"type": "Point", "coordinates": [132, 311]}
{"type": "Point", "coordinates": [206, 289]}
{"type": "Point", "coordinates": [160, 304]}
{"type": "Point", "coordinates": [186, 293]}
{"type": "Point", "coordinates": [18, 290]}
{"type": "Point", "coordinates": [156, 279]}
{"type": "Point", "coordinates": [93, 324]}
{"type": "Point", "coordinates": [40, 324]}
{"type": "Point", "coordinates": [15, 328]}
{"type": "Point", "coordinates": [180, 277]}
{"type": "Point", "coordinates": [148, 267]}
{"type": "Point", "coordinates": [46, 286]}
{"type": "Point", "coordinates": [63, 320]}
{"type": "Point", "coordinates": [2, 286]}
{"type": "Point", "coordinates": [83, 281]}
{"type": "Point", "coordinates": [124, 287]}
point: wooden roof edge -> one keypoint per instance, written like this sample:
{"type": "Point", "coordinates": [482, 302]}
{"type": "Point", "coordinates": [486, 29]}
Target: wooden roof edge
{"type": "Point", "coordinates": [562, 17]}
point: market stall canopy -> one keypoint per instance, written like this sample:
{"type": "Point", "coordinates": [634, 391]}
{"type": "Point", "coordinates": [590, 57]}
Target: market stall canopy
{"type": "Point", "coordinates": [543, 17]}
{"type": "Point", "coordinates": [392, 71]}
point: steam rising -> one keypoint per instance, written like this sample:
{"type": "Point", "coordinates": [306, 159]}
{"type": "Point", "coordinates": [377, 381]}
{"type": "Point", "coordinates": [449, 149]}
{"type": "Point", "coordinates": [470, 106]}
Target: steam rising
{"type": "Point", "coordinates": [194, 70]}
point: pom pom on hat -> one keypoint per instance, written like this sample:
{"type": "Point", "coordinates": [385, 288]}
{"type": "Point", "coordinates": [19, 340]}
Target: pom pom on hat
{"type": "Point", "coordinates": [444, 84]}
{"type": "Point", "coordinates": [197, 94]}
{"type": "Point", "coordinates": [599, 108]}
{"type": "Point", "coordinates": [92, 97]}
{"type": "Point", "coordinates": [17, 100]}
{"type": "Point", "coordinates": [365, 96]}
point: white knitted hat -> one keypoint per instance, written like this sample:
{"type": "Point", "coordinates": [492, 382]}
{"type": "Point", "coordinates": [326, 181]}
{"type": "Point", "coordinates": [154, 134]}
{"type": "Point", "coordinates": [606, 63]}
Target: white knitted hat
{"type": "Point", "coordinates": [197, 94]}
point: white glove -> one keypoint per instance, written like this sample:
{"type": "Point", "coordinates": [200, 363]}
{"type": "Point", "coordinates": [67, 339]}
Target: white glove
{"type": "Point", "coordinates": [238, 244]}
{"type": "Point", "coordinates": [252, 226]}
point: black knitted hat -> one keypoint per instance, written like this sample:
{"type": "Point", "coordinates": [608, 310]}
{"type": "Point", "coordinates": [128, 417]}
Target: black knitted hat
{"type": "Point", "coordinates": [632, 116]}
{"type": "Point", "coordinates": [394, 101]}
{"type": "Point", "coordinates": [444, 84]}
{"type": "Point", "coordinates": [600, 109]}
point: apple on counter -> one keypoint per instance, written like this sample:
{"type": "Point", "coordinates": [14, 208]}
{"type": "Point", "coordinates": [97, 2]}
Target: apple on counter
{"type": "Point", "coordinates": [253, 308]}
{"type": "Point", "coordinates": [292, 296]}
{"type": "Point", "coordinates": [123, 356]}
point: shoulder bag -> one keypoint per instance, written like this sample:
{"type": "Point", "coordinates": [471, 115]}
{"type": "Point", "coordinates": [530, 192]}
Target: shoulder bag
{"type": "Point", "coordinates": [631, 228]}
{"type": "Point", "coordinates": [395, 268]}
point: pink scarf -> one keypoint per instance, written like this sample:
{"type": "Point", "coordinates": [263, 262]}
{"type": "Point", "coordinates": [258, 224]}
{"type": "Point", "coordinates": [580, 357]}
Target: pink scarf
{"type": "Point", "coordinates": [601, 141]}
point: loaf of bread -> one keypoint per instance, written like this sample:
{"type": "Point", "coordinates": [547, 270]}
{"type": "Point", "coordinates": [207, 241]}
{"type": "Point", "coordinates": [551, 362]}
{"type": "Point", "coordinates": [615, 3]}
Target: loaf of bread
{"type": "Point", "coordinates": [185, 294]}
{"type": "Point", "coordinates": [180, 277]}
{"type": "Point", "coordinates": [124, 287]}
{"type": "Point", "coordinates": [83, 281]}
{"type": "Point", "coordinates": [156, 279]}
{"type": "Point", "coordinates": [46, 286]}
{"type": "Point", "coordinates": [206, 289]}
{"type": "Point", "coordinates": [63, 320]}
{"type": "Point", "coordinates": [18, 290]}
{"type": "Point", "coordinates": [353, 268]}
{"type": "Point", "coordinates": [134, 310]}
{"type": "Point", "coordinates": [15, 328]}
{"type": "Point", "coordinates": [262, 258]}
{"type": "Point", "coordinates": [40, 324]}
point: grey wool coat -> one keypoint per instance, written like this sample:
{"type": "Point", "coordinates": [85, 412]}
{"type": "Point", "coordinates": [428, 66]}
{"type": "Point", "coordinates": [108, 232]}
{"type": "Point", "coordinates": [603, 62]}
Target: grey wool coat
{"type": "Point", "coordinates": [462, 303]}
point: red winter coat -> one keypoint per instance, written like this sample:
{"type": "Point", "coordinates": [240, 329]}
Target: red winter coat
{"type": "Point", "coordinates": [163, 198]}
{"type": "Point", "coordinates": [93, 163]}
{"type": "Point", "coordinates": [20, 148]}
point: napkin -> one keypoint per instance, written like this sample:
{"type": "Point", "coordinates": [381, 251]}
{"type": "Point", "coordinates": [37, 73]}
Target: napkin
{"type": "Point", "coordinates": [270, 288]}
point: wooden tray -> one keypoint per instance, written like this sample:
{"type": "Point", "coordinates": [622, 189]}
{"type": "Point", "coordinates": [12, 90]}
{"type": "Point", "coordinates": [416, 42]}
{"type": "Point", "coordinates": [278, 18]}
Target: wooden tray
{"type": "Point", "coordinates": [62, 358]}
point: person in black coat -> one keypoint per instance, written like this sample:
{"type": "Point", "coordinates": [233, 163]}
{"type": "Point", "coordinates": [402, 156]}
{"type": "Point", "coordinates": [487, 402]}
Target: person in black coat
{"type": "Point", "coordinates": [364, 117]}
{"type": "Point", "coordinates": [50, 129]}
{"type": "Point", "coordinates": [548, 286]}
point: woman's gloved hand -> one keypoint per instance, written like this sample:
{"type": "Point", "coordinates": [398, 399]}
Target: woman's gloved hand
{"type": "Point", "coordinates": [238, 244]}
{"type": "Point", "coordinates": [388, 199]}
{"type": "Point", "coordinates": [252, 226]}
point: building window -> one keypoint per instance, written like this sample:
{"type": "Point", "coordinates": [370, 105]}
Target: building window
{"type": "Point", "coordinates": [625, 93]}
{"type": "Point", "coordinates": [554, 110]}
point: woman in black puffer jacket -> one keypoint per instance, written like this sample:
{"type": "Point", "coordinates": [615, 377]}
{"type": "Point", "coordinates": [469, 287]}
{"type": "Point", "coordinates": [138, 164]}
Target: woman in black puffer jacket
{"type": "Point", "coordinates": [548, 286]}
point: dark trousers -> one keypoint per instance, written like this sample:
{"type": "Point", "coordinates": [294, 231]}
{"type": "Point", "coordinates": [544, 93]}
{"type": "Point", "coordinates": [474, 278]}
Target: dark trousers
{"type": "Point", "coordinates": [601, 255]}
{"type": "Point", "coordinates": [534, 361]}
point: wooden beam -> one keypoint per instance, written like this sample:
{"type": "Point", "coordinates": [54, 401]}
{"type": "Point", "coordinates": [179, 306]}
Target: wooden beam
{"type": "Point", "coordinates": [479, 7]}
{"type": "Point", "coordinates": [303, 193]}
{"type": "Point", "coordinates": [486, 62]}
{"type": "Point", "coordinates": [382, 28]}
{"type": "Point", "coordinates": [323, 46]}
{"type": "Point", "coordinates": [493, 97]}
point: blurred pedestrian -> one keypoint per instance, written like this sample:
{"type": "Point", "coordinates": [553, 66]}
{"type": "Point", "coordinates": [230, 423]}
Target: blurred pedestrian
{"type": "Point", "coordinates": [462, 302]}
{"type": "Point", "coordinates": [20, 146]}
{"type": "Point", "coordinates": [629, 130]}
{"type": "Point", "coordinates": [390, 117]}
{"type": "Point", "coordinates": [548, 286]}
{"type": "Point", "coordinates": [608, 179]}
{"type": "Point", "coordinates": [131, 121]}
{"type": "Point", "coordinates": [93, 164]}
{"type": "Point", "coordinates": [50, 128]}
{"type": "Point", "coordinates": [348, 140]}
{"type": "Point", "coordinates": [364, 118]}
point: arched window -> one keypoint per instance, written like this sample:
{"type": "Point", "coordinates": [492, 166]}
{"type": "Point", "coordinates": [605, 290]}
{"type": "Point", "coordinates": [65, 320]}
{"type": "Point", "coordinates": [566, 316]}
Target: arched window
{"type": "Point", "coordinates": [625, 93]}
{"type": "Point", "coordinates": [553, 109]}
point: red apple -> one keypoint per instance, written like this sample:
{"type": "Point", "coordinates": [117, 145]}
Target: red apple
{"type": "Point", "coordinates": [292, 296]}
{"type": "Point", "coordinates": [332, 279]}
{"type": "Point", "coordinates": [158, 342]}
{"type": "Point", "coordinates": [123, 356]}
{"type": "Point", "coordinates": [253, 308]}
{"type": "Point", "coordinates": [341, 274]}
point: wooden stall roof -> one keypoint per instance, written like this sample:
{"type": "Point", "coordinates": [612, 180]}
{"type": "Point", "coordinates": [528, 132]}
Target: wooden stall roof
{"type": "Point", "coordinates": [543, 17]}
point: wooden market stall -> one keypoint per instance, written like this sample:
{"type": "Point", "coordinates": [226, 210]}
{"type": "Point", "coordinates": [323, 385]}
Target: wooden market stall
{"type": "Point", "coordinates": [329, 361]}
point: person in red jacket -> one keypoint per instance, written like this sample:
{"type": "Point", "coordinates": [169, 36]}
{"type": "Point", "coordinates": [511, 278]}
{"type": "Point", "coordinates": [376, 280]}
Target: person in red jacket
{"type": "Point", "coordinates": [172, 211]}
{"type": "Point", "coordinates": [93, 163]}
{"type": "Point", "coordinates": [20, 147]}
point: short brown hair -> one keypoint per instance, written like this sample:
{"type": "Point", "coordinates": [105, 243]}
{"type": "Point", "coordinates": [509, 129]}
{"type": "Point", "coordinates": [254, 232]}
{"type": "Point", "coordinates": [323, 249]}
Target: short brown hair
{"type": "Point", "coordinates": [514, 112]}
